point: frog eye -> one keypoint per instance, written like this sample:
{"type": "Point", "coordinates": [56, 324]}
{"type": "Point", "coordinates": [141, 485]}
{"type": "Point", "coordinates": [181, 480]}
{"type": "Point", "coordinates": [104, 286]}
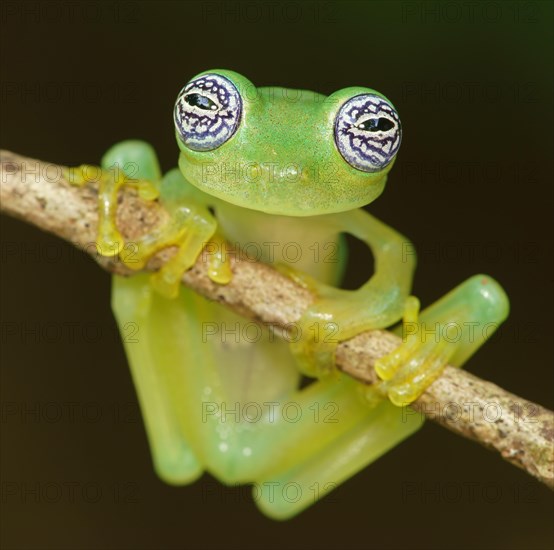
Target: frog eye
{"type": "Point", "coordinates": [368, 132]}
{"type": "Point", "coordinates": [207, 112]}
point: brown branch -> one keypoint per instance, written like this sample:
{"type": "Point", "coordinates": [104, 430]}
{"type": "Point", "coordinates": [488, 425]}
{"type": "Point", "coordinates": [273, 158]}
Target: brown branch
{"type": "Point", "coordinates": [521, 431]}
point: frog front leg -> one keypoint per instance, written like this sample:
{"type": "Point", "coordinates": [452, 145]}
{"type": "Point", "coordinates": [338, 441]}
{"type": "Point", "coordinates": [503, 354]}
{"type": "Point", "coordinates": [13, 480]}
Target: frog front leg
{"type": "Point", "coordinates": [458, 321]}
{"type": "Point", "coordinates": [189, 227]}
{"type": "Point", "coordinates": [340, 314]}
{"type": "Point", "coordinates": [190, 224]}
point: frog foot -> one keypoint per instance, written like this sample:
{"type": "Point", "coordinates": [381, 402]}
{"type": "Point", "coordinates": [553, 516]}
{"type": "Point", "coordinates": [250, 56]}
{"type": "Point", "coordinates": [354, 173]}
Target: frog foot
{"type": "Point", "coordinates": [190, 229]}
{"type": "Point", "coordinates": [336, 316]}
{"type": "Point", "coordinates": [109, 241]}
{"type": "Point", "coordinates": [407, 371]}
{"type": "Point", "coordinates": [315, 337]}
{"type": "Point", "coordinates": [189, 226]}
{"type": "Point", "coordinates": [313, 344]}
{"type": "Point", "coordinates": [448, 332]}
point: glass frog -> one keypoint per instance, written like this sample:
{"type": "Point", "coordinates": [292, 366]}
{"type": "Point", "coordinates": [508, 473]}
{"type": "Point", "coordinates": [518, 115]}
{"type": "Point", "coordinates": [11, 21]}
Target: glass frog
{"type": "Point", "coordinates": [275, 166]}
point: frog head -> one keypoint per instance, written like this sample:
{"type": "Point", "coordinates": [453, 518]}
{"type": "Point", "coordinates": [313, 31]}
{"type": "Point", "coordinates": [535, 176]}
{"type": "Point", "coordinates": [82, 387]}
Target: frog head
{"type": "Point", "coordinates": [281, 151]}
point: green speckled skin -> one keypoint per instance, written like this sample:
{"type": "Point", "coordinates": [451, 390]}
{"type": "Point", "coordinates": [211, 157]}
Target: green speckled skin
{"type": "Point", "coordinates": [303, 122]}
{"type": "Point", "coordinates": [216, 397]}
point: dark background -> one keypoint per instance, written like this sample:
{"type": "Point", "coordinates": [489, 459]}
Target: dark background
{"type": "Point", "coordinates": [472, 188]}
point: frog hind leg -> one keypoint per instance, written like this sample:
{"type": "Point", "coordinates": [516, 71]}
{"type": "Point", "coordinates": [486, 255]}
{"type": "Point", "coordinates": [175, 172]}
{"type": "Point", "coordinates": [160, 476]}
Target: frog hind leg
{"type": "Point", "coordinates": [336, 435]}
{"type": "Point", "coordinates": [140, 313]}
{"type": "Point", "coordinates": [316, 454]}
{"type": "Point", "coordinates": [134, 306]}
{"type": "Point", "coordinates": [449, 331]}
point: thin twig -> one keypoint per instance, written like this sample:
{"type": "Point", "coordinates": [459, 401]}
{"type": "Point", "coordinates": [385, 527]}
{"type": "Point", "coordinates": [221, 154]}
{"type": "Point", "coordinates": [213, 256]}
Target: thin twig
{"type": "Point", "coordinates": [521, 431]}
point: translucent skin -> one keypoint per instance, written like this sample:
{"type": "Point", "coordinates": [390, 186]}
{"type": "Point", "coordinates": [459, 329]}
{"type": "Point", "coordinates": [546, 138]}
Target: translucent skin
{"type": "Point", "coordinates": [215, 396]}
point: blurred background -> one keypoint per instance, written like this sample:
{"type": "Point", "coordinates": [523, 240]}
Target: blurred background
{"type": "Point", "coordinates": [472, 188]}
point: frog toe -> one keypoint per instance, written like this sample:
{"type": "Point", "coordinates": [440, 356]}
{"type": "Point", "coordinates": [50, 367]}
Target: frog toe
{"type": "Point", "coordinates": [448, 332]}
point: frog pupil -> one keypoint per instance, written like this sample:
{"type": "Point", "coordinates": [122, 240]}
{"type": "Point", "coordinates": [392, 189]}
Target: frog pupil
{"type": "Point", "coordinates": [200, 101]}
{"type": "Point", "coordinates": [377, 124]}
